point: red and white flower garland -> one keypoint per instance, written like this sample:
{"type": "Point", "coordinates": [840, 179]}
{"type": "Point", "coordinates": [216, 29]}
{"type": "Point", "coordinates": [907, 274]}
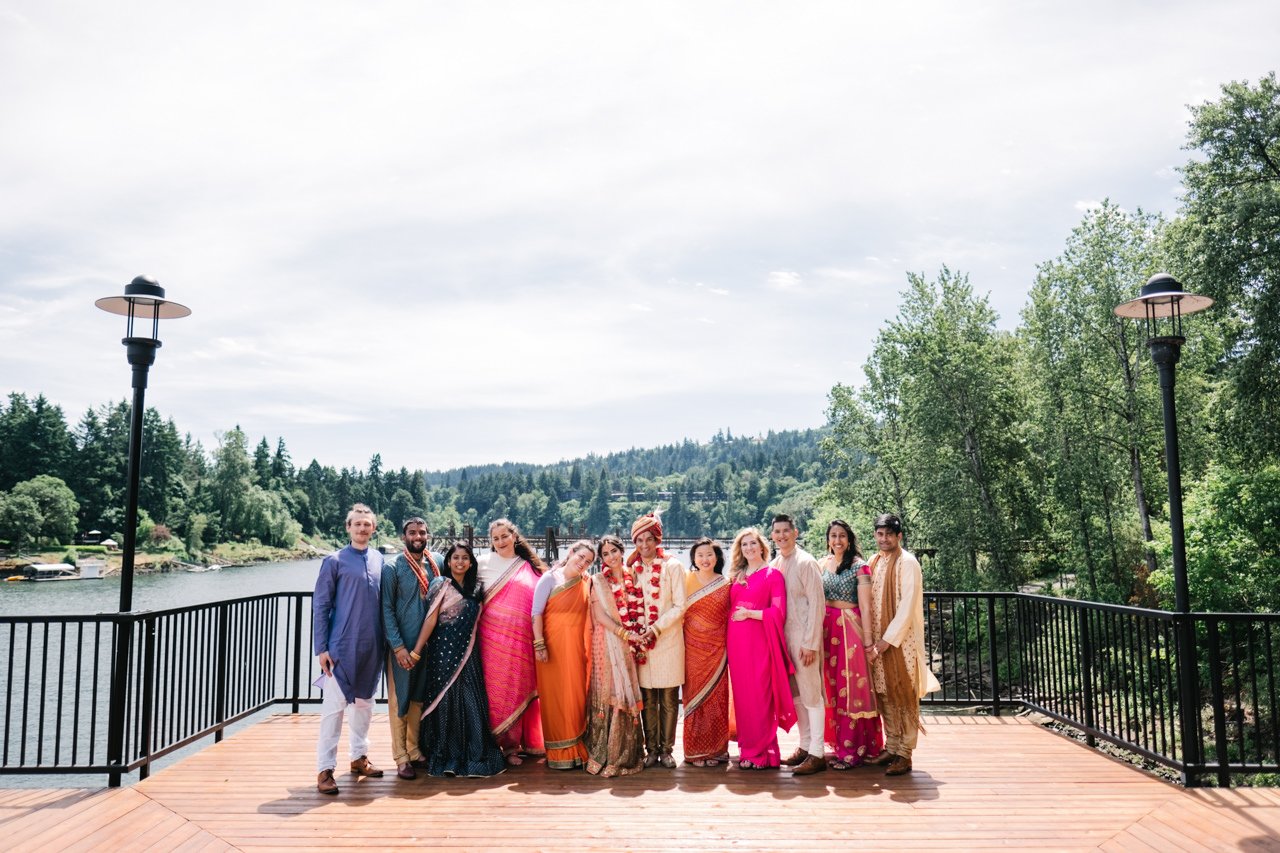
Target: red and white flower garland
{"type": "Point", "coordinates": [629, 600]}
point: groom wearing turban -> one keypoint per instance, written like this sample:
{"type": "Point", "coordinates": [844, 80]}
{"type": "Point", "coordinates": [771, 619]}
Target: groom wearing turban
{"type": "Point", "coordinates": [661, 579]}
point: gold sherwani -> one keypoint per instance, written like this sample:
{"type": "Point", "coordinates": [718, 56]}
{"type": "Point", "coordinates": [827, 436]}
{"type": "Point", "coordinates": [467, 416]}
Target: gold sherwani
{"type": "Point", "coordinates": [665, 665]}
{"type": "Point", "coordinates": [806, 606]}
{"type": "Point", "coordinates": [906, 631]}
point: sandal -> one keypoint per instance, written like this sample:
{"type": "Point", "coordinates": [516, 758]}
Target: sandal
{"type": "Point", "coordinates": [839, 765]}
{"type": "Point", "coordinates": [710, 762]}
{"type": "Point", "coordinates": [514, 760]}
{"type": "Point", "coordinates": [751, 765]}
{"type": "Point", "coordinates": [696, 763]}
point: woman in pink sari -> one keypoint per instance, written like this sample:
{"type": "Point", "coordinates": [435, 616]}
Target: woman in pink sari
{"type": "Point", "coordinates": [758, 660]}
{"type": "Point", "coordinates": [510, 574]}
{"type": "Point", "coordinates": [853, 722]}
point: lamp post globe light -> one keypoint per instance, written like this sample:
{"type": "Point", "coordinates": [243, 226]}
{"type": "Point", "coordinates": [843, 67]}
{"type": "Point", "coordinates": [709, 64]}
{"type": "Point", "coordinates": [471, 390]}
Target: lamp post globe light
{"type": "Point", "coordinates": [1161, 305]}
{"type": "Point", "coordinates": [144, 305]}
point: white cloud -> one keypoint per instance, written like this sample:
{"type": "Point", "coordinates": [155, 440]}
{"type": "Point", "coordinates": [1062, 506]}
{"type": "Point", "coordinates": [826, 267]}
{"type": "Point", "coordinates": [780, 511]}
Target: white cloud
{"type": "Point", "coordinates": [482, 204]}
{"type": "Point", "coordinates": [785, 280]}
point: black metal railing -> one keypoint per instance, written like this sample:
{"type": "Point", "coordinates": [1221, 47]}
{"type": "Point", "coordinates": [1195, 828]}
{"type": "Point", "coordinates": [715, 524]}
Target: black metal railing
{"type": "Point", "coordinates": [1109, 671]}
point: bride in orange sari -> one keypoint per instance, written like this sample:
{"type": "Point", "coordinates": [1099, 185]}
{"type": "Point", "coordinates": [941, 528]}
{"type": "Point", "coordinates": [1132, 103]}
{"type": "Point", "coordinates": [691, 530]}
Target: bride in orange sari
{"type": "Point", "coordinates": [561, 644]}
{"type": "Point", "coordinates": [706, 661]}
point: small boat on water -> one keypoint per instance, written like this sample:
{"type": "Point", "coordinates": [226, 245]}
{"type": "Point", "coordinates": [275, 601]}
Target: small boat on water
{"type": "Point", "coordinates": [60, 572]}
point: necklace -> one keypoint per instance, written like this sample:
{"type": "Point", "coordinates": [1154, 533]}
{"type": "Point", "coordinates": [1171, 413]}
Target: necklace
{"type": "Point", "coordinates": [418, 571]}
{"type": "Point", "coordinates": [629, 601]}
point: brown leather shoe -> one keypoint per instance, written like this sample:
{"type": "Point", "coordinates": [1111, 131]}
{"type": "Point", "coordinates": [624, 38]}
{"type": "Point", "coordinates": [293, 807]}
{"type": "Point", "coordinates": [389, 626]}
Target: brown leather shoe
{"type": "Point", "coordinates": [797, 757]}
{"type": "Point", "coordinates": [362, 767]}
{"type": "Point", "coordinates": [899, 767]}
{"type": "Point", "coordinates": [406, 771]}
{"type": "Point", "coordinates": [325, 783]}
{"type": "Point", "coordinates": [812, 764]}
{"type": "Point", "coordinates": [885, 757]}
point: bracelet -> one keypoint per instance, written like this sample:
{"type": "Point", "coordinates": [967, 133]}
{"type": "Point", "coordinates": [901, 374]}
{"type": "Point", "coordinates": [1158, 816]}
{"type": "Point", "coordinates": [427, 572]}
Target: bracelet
{"type": "Point", "coordinates": [416, 657]}
{"type": "Point", "coordinates": [620, 632]}
{"type": "Point", "coordinates": [539, 645]}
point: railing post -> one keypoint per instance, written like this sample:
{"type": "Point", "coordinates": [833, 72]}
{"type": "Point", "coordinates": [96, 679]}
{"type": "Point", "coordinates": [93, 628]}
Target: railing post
{"type": "Point", "coordinates": [220, 668]}
{"type": "Point", "coordinates": [1219, 703]}
{"type": "Point", "coordinates": [297, 652]}
{"type": "Point", "coordinates": [148, 693]}
{"type": "Point", "coordinates": [1086, 674]}
{"type": "Point", "coordinates": [119, 698]}
{"type": "Point", "coordinates": [1188, 703]}
{"type": "Point", "coordinates": [992, 651]}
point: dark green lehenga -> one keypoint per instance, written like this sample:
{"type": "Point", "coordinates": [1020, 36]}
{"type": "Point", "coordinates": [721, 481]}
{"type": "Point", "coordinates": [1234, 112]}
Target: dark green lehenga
{"type": "Point", "coordinates": [454, 736]}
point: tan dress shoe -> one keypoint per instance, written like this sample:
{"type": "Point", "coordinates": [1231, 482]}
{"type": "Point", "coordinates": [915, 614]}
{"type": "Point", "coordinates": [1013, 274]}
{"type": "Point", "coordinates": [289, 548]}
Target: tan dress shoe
{"type": "Point", "coordinates": [362, 767]}
{"type": "Point", "coordinates": [899, 767]}
{"type": "Point", "coordinates": [812, 764]}
{"type": "Point", "coordinates": [797, 757]}
{"type": "Point", "coordinates": [325, 782]}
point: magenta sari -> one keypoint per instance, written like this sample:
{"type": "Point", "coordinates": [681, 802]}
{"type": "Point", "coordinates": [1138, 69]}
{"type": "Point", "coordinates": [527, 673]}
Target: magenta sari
{"type": "Point", "coordinates": [759, 666]}
{"type": "Point", "coordinates": [506, 652]}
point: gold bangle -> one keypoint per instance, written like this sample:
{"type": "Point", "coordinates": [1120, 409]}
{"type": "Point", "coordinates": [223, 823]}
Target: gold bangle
{"type": "Point", "coordinates": [414, 655]}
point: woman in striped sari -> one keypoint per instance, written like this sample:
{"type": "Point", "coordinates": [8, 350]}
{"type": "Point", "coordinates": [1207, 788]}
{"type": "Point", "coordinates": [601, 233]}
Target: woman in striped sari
{"type": "Point", "coordinates": [561, 639]}
{"type": "Point", "coordinates": [615, 739]}
{"type": "Point", "coordinates": [509, 575]}
{"type": "Point", "coordinates": [706, 670]}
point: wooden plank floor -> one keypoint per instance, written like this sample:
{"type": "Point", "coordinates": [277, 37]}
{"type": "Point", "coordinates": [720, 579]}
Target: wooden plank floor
{"type": "Point", "coordinates": [980, 783]}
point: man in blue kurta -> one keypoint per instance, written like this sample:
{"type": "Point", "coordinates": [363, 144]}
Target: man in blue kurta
{"type": "Point", "coordinates": [346, 630]}
{"type": "Point", "coordinates": [404, 595]}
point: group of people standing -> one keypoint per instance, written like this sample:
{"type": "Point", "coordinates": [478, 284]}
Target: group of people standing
{"type": "Point", "coordinates": [490, 662]}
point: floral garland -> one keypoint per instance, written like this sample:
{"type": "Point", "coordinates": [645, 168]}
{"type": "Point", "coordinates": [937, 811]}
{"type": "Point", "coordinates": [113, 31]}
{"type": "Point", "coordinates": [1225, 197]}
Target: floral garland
{"type": "Point", "coordinates": [630, 603]}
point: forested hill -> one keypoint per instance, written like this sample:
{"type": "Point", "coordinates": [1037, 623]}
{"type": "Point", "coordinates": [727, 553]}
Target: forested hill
{"type": "Point", "coordinates": [67, 479]}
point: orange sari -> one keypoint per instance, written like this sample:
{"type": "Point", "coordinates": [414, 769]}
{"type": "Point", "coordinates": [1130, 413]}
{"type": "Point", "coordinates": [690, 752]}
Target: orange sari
{"type": "Point", "coordinates": [562, 680]}
{"type": "Point", "coordinates": [706, 672]}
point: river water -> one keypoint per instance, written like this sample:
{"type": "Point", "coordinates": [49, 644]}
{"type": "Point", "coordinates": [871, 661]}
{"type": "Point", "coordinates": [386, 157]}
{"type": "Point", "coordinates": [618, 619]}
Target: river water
{"type": "Point", "coordinates": [155, 591]}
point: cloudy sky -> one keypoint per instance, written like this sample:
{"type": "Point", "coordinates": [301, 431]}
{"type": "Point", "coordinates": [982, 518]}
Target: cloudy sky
{"type": "Point", "coordinates": [465, 232]}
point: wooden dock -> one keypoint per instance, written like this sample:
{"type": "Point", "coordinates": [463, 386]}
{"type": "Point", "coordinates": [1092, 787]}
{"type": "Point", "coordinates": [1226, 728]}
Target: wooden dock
{"type": "Point", "coordinates": [980, 783]}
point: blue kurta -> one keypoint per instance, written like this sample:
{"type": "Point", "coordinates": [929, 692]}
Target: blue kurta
{"type": "Point", "coordinates": [346, 619]}
{"type": "Point", "coordinates": [403, 611]}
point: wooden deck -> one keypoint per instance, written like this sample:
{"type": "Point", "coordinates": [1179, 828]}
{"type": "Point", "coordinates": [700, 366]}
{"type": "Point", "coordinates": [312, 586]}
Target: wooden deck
{"type": "Point", "coordinates": [979, 783]}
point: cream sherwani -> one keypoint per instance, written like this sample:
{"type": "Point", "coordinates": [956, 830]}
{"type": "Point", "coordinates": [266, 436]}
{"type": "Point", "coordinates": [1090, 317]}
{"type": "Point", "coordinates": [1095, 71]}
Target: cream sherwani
{"type": "Point", "coordinates": [665, 666]}
{"type": "Point", "coordinates": [806, 606]}
{"type": "Point", "coordinates": [906, 631]}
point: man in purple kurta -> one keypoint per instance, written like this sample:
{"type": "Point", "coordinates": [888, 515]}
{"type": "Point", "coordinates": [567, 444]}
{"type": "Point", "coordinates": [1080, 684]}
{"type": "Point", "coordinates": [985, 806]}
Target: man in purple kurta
{"type": "Point", "coordinates": [346, 630]}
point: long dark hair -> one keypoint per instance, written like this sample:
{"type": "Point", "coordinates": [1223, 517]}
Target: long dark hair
{"type": "Point", "coordinates": [846, 562]}
{"type": "Point", "coordinates": [523, 548]}
{"type": "Point", "coordinates": [715, 547]}
{"type": "Point", "coordinates": [471, 586]}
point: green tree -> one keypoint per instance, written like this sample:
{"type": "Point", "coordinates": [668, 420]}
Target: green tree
{"type": "Point", "coordinates": [20, 520]}
{"type": "Point", "coordinates": [597, 519]}
{"type": "Point", "coordinates": [1095, 408]}
{"type": "Point", "coordinates": [231, 483]}
{"type": "Point", "coordinates": [56, 506]}
{"type": "Point", "coordinates": [946, 409]}
{"type": "Point", "coordinates": [1233, 542]}
{"type": "Point", "coordinates": [1228, 241]}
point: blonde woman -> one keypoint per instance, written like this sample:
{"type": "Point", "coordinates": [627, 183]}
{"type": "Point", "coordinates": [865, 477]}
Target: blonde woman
{"type": "Point", "coordinates": [758, 662]}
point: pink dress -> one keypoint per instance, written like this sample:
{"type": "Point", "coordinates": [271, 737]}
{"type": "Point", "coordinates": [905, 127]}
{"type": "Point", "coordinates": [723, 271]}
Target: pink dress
{"type": "Point", "coordinates": [759, 666]}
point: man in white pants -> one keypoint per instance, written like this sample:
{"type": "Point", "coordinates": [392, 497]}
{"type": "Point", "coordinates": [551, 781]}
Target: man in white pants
{"type": "Point", "coordinates": [806, 605]}
{"type": "Point", "coordinates": [346, 627]}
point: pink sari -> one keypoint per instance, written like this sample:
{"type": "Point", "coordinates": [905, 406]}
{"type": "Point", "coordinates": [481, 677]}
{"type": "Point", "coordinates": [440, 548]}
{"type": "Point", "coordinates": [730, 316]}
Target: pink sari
{"type": "Point", "coordinates": [853, 722]}
{"type": "Point", "coordinates": [759, 666]}
{"type": "Point", "coordinates": [506, 652]}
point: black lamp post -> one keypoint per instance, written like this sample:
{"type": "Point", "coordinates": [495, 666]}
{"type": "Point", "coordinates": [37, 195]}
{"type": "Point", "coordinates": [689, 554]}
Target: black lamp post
{"type": "Point", "coordinates": [1161, 306]}
{"type": "Point", "coordinates": [144, 305]}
